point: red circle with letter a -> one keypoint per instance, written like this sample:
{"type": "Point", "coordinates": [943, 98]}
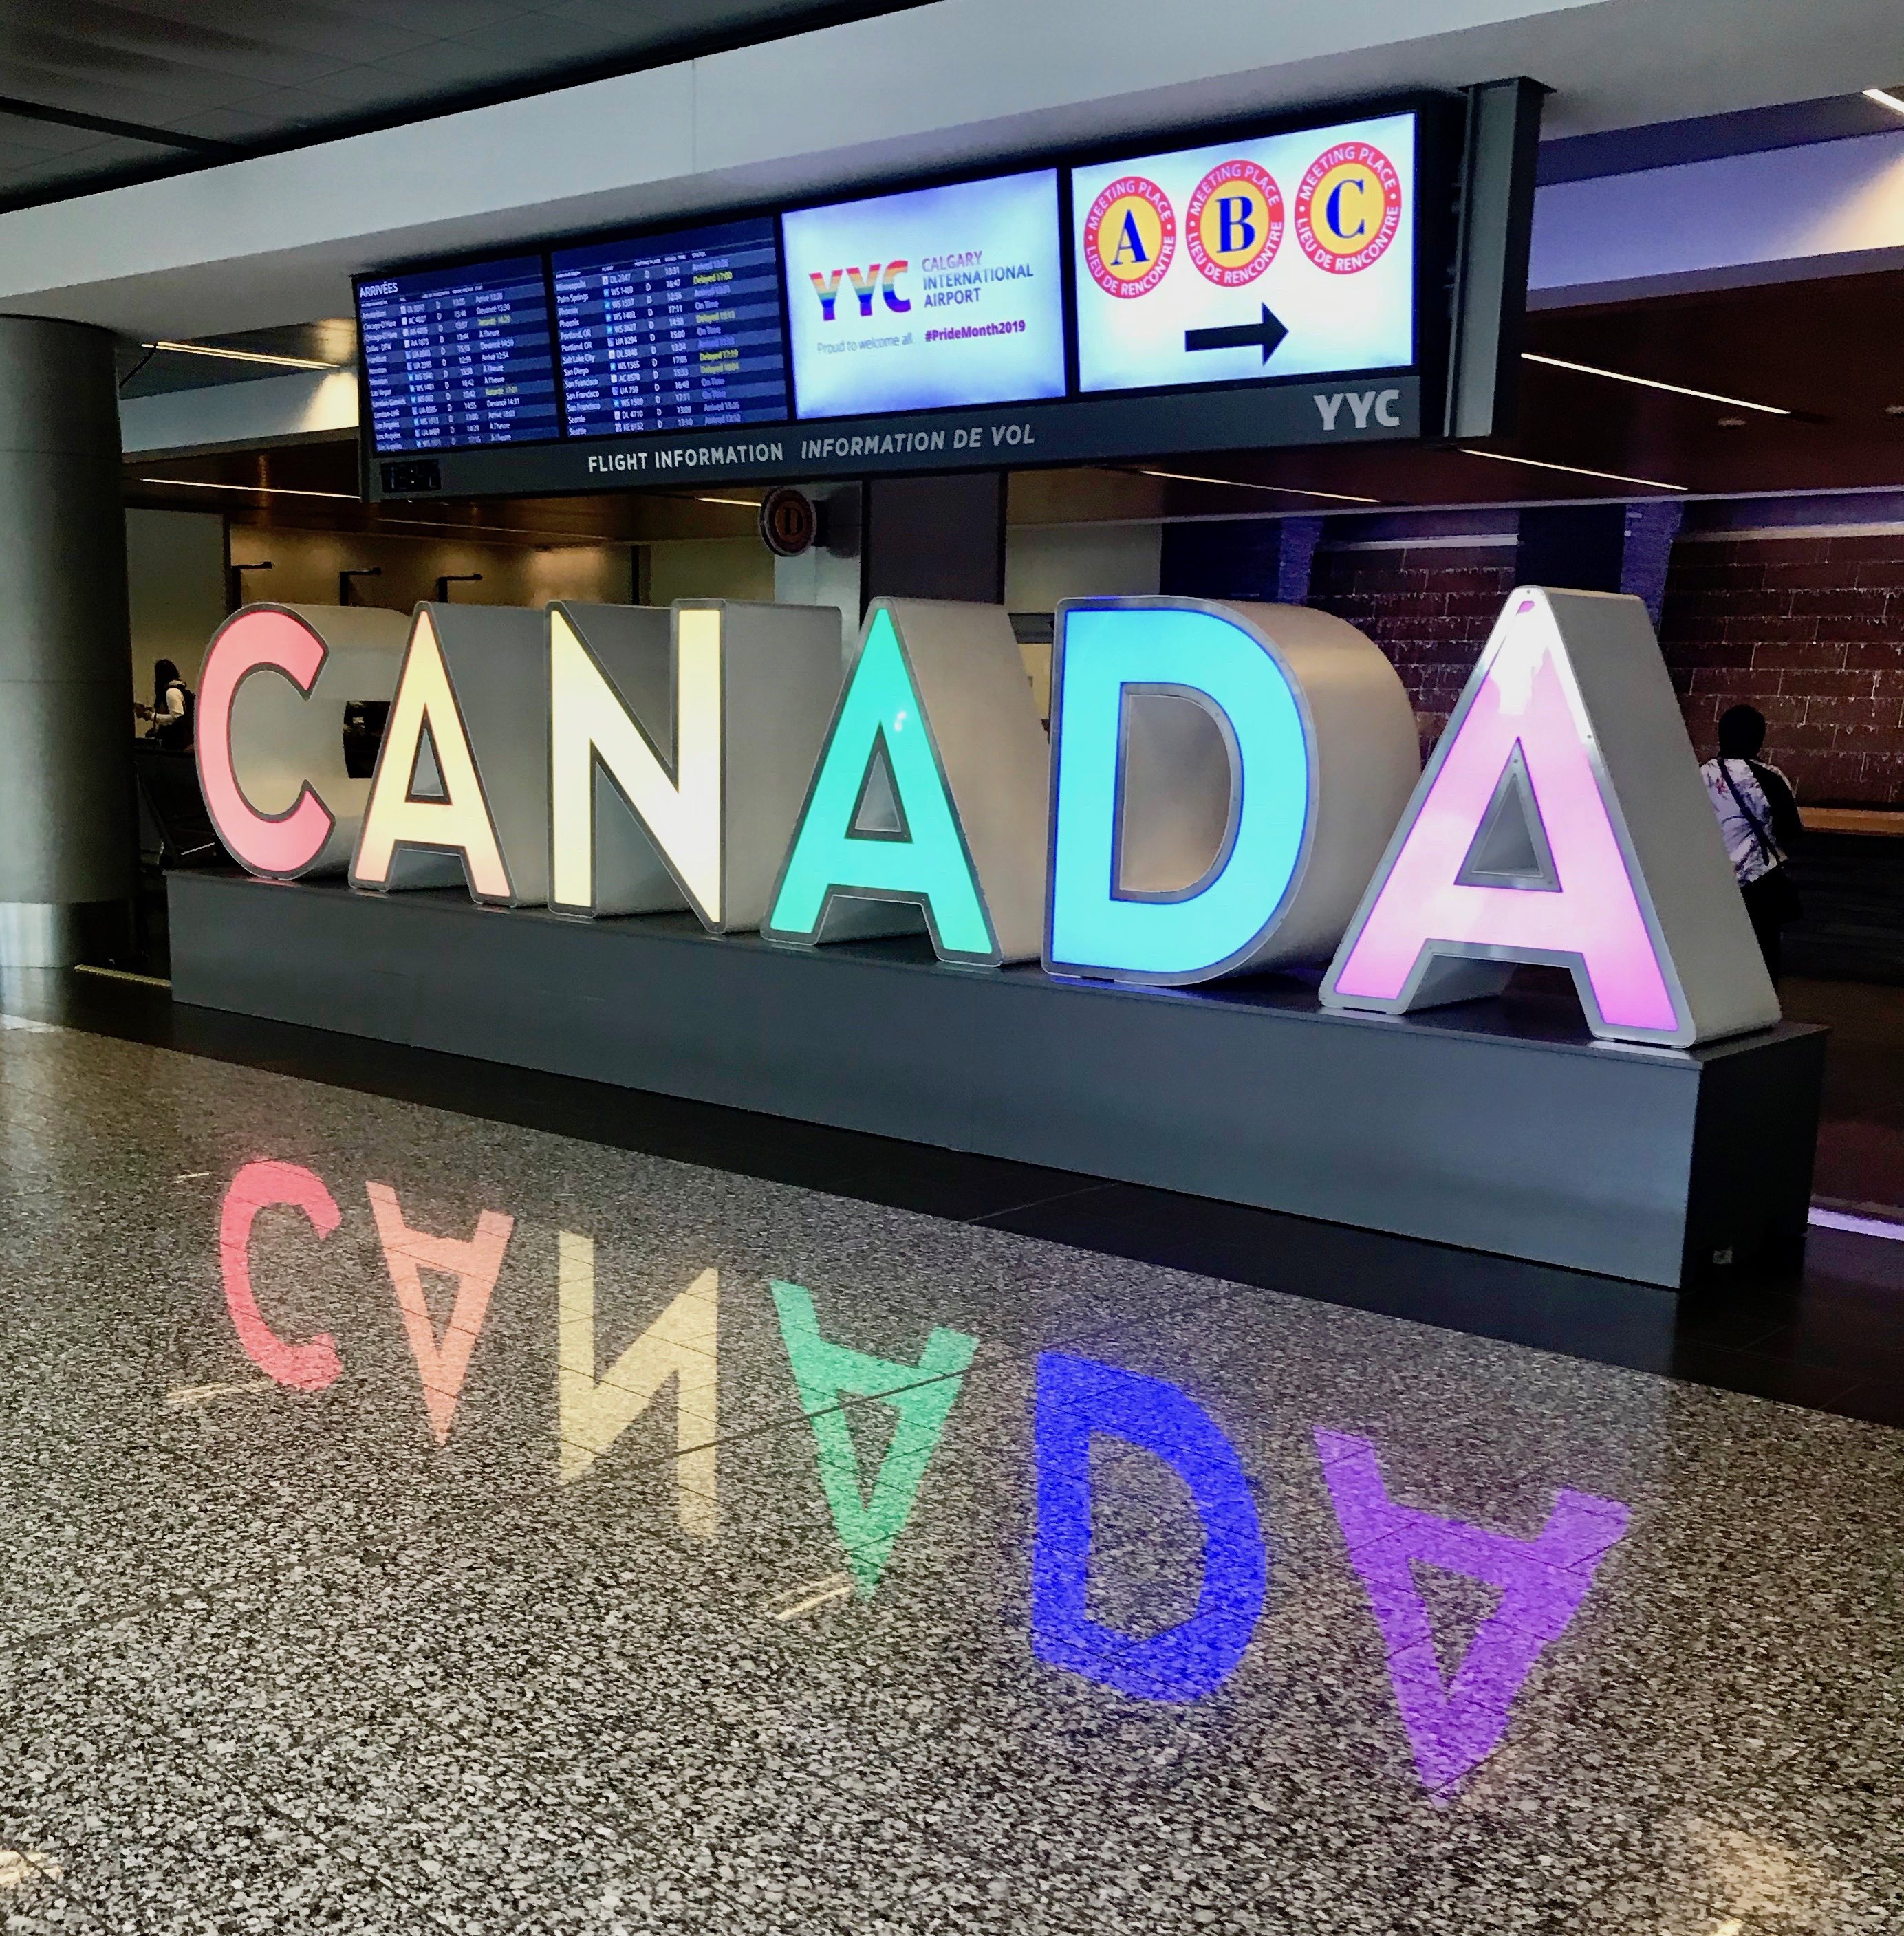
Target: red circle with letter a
{"type": "Point", "coordinates": [1348, 208]}
{"type": "Point", "coordinates": [1129, 236]}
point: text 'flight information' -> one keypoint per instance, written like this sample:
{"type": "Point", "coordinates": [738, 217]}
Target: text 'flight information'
{"type": "Point", "coordinates": [679, 331]}
{"type": "Point", "coordinates": [459, 356]}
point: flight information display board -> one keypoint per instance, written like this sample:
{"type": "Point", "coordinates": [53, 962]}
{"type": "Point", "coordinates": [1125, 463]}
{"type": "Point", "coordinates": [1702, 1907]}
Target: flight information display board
{"type": "Point", "coordinates": [1248, 259]}
{"type": "Point", "coordinates": [929, 300]}
{"type": "Point", "coordinates": [1254, 287]}
{"type": "Point", "coordinates": [458, 357]}
{"type": "Point", "coordinates": [678, 332]}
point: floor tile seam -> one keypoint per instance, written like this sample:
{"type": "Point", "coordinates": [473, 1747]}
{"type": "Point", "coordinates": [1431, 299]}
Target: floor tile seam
{"type": "Point", "coordinates": [1324, 1296]}
{"type": "Point", "coordinates": [1878, 1390]}
{"type": "Point", "coordinates": [1085, 1186]}
{"type": "Point", "coordinates": [26, 1645]}
{"type": "Point", "coordinates": [1776, 1361]}
{"type": "Point", "coordinates": [366, 1087]}
{"type": "Point", "coordinates": [1840, 1381]}
{"type": "Point", "coordinates": [988, 1358]}
{"type": "Point", "coordinates": [63, 1885]}
{"type": "Point", "coordinates": [210, 1459]}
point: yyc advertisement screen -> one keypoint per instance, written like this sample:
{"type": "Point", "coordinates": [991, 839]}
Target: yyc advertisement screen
{"type": "Point", "coordinates": [929, 300]}
{"type": "Point", "coordinates": [1248, 259]}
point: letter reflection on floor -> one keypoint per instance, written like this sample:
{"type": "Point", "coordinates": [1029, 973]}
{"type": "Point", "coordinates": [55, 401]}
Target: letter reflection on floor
{"type": "Point", "coordinates": [922, 1394]}
{"type": "Point", "coordinates": [1453, 1725]}
{"type": "Point", "coordinates": [1075, 1398]}
{"type": "Point", "coordinates": [680, 1344]}
{"type": "Point", "coordinates": [473, 1262]}
{"type": "Point", "coordinates": [312, 1365]}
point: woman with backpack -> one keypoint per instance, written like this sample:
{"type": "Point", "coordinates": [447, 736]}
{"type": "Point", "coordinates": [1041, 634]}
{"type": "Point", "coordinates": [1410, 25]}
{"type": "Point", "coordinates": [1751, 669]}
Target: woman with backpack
{"type": "Point", "coordinates": [1759, 818]}
{"type": "Point", "coordinates": [171, 710]}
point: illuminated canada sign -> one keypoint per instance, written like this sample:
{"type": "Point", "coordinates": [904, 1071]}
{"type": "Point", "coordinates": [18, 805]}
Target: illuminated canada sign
{"type": "Point", "coordinates": [1226, 787]}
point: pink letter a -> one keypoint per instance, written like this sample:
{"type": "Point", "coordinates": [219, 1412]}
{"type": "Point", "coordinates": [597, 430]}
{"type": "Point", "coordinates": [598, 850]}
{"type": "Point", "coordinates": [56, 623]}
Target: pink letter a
{"type": "Point", "coordinates": [1562, 820]}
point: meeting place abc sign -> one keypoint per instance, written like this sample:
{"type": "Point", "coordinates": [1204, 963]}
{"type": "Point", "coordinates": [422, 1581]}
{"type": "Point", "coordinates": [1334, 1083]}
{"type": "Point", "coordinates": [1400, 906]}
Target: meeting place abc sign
{"type": "Point", "coordinates": [1225, 787]}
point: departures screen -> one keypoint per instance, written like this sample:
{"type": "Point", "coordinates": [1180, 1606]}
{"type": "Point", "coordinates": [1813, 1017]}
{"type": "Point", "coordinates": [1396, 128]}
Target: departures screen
{"type": "Point", "coordinates": [678, 332]}
{"type": "Point", "coordinates": [459, 356]}
{"type": "Point", "coordinates": [1248, 259]}
{"type": "Point", "coordinates": [932, 299]}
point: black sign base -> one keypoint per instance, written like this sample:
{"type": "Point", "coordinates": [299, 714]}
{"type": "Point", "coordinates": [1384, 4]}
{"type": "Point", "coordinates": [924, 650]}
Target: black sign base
{"type": "Point", "coordinates": [1496, 1127]}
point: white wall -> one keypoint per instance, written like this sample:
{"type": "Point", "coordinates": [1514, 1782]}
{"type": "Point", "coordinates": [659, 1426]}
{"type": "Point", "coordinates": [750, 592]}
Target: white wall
{"type": "Point", "coordinates": [306, 564]}
{"type": "Point", "coordinates": [1046, 563]}
{"type": "Point", "coordinates": [708, 568]}
{"type": "Point", "coordinates": [175, 574]}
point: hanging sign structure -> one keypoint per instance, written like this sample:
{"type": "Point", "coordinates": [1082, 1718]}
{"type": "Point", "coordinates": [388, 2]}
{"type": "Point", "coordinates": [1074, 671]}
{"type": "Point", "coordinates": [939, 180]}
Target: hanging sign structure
{"type": "Point", "coordinates": [1227, 293]}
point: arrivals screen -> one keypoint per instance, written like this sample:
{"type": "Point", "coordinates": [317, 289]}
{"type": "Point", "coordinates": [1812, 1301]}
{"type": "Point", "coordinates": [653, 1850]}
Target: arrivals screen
{"type": "Point", "coordinates": [458, 357]}
{"type": "Point", "coordinates": [678, 332]}
{"type": "Point", "coordinates": [936, 298]}
{"type": "Point", "coordinates": [1248, 259]}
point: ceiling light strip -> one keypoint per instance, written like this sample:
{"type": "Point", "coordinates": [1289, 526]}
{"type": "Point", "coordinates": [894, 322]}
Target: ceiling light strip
{"type": "Point", "coordinates": [256, 490]}
{"type": "Point", "coordinates": [1653, 383]}
{"type": "Point", "coordinates": [1884, 98]}
{"type": "Point", "coordinates": [242, 356]}
{"type": "Point", "coordinates": [1572, 469]}
{"type": "Point", "coordinates": [1239, 484]}
{"type": "Point", "coordinates": [476, 534]}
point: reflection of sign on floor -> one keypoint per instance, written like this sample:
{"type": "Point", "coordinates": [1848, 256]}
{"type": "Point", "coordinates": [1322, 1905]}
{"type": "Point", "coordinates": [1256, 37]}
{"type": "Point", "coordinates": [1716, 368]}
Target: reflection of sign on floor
{"type": "Point", "coordinates": [1453, 1720]}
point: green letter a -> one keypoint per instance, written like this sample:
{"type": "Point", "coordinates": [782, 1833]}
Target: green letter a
{"type": "Point", "coordinates": [922, 1395]}
{"type": "Point", "coordinates": [880, 741]}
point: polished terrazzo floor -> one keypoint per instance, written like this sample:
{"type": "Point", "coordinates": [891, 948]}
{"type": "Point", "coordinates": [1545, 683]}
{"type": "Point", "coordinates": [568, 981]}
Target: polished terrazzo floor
{"type": "Point", "coordinates": [414, 1522]}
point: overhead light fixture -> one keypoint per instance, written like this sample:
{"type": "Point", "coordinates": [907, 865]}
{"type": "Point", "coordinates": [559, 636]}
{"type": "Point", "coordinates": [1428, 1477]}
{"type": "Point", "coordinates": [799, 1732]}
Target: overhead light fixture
{"type": "Point", "coordinates": [1572, 469]}
{"type": "Point", "coordinates": [256, 490]}
{"type": "Point", "coordinates": [1238, 484]}
{"type": "Point", "coordinates": [243, 355]}
{"type": "Point", "coordinates": [384, 522]}
{"type": "Point", "coordinates": [745, 503]}
{"type": "Point", "coordinates": [1653, 383]}
{"type": "Point", "coordinates": [1884, 98]}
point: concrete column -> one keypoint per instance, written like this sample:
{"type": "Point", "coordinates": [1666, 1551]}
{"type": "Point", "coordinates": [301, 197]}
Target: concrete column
{"type": "Point", "coordinates": [1601, 547]}
{"type": "Point", "coordinates": [829, 573]}
{"type": "Point", "coordinates": [1651, 526]}
{"type": "Point", "coordinates": [67, 851]}
{"type": "Point", "coordinates": [937, 537]}
{"type": "Point", "coordinates": [1252, 558]}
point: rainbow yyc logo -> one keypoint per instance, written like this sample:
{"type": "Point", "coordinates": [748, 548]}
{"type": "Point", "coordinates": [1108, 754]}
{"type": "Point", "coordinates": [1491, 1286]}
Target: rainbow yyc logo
{"type": "Point", "coordinates": [879, 280]}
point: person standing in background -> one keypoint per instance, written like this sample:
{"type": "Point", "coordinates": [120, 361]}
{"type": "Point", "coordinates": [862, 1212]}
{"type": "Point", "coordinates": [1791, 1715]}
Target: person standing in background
{"type": "Point", "coordinates": [171, 710]}
{"type": "Point", "coordinates": [1759, 818]}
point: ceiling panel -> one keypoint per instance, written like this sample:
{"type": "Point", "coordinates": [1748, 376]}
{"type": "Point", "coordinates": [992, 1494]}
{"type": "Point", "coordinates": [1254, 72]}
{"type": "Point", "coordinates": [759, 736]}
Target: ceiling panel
{"type": "Point", "coordinates": [258, 73]}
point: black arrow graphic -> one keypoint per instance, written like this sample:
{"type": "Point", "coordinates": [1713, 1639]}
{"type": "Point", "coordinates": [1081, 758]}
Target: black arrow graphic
{"type": "Point", "coordinates": [1269, 333]}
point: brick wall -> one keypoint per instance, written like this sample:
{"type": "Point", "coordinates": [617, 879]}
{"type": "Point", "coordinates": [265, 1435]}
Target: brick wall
{"type": "Point", "coordinates": [1811, 631]}
{"type": "Point", "coordinates": [1430, 610]}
